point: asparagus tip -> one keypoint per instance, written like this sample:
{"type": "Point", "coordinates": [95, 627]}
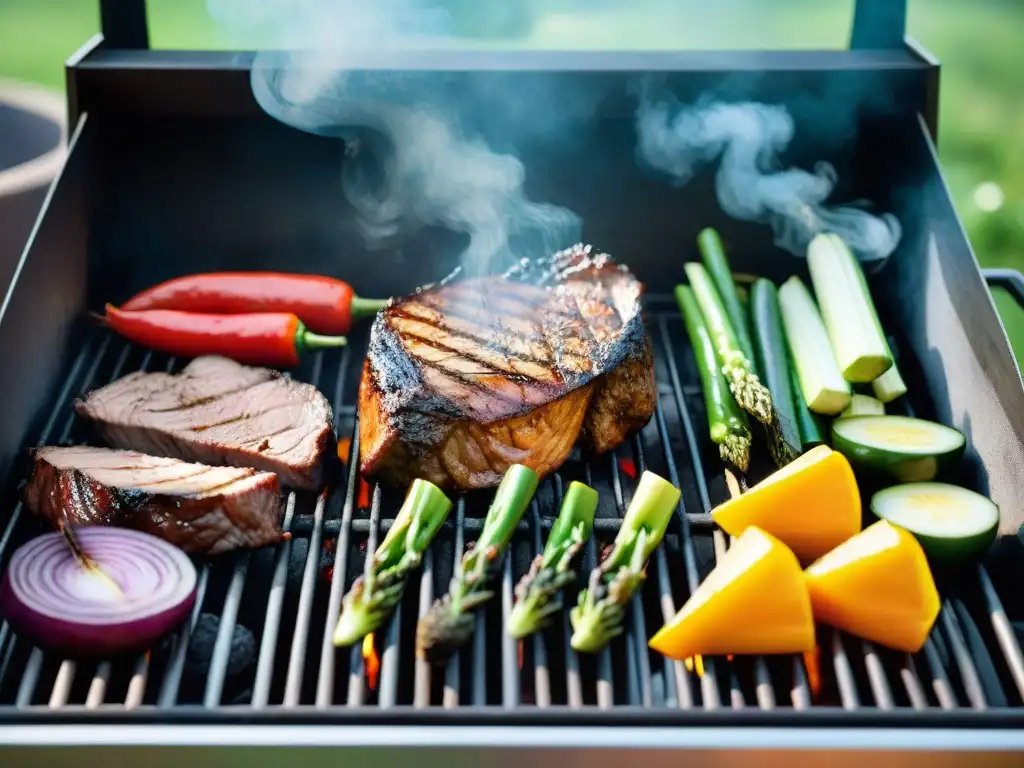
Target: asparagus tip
{"type": "Point", "coordinates": [735, 449]}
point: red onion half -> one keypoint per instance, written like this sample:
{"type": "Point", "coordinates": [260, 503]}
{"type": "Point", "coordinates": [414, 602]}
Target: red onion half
{"type": "Point", "coordinates": [144, 587]}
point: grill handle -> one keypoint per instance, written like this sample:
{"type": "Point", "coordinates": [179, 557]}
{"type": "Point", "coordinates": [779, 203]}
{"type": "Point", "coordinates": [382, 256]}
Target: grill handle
{"type": "Point", "coordinates": [1010, 280]}
{"type": "Point", "coordinates": [876, 24]}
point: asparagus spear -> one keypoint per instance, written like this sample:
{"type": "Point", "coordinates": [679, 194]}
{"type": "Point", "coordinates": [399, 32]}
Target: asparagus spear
{"type": "Point", "coordinates": [376, 593]}
{"type": "Point", "coordinates": [715, 262]}
{"type": "Point", "coordinates": [598, 616]}
{"type": "Point", "coordinates": [752, 396]}
{"type": "Point", "coordinates": [539, 592]}
{"type": "Point", "coordinates": [727, 423]}
{"type": "Point", "coordinates": [449, 622]}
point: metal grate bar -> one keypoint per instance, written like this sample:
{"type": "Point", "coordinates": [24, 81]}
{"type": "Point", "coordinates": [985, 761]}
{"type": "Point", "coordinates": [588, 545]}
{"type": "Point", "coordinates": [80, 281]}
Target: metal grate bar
{"type": "Point", "coordinates": [978, 653]}
{"type": "Point", "coordinates": [844, 673]}
{"type": "Point", "coordinates": [968, 673]}
{"type": "Point", "coordinates": [1004, 633]}
{"type": "Point", "coordinates": [876, 676]}
{"type": "Point", "coordinates": [510, 694]}
{"type": "Point", "coordinates": [272, 624]}
{"type": "Point", "coordinates": [325, 678]}
{"type": "Point", "coordinates": [297, 655]}
{"type": "Point", "coordinates": [637, 641]}
{"type": "Point", "coordinates": [226, 631]}
{"type": "Point", "coordinates": [940, 682]}
{"type": "Point", "coordinates": [912, 683]}
{"type": "Point", "coordinates": [421, 692]}
{"type": "Point", "coordinates": [389, 658]}
{"type": "Point", "coordinates": [541, 676]}
{"type": "Point", "coordinates": [450, 697]}
{"type": "Point", "coordinates": [677, 686]}
{"type": "Point", "coordinates": [172, 677]}
{"type": "Point", "coordinates": [573, 681]}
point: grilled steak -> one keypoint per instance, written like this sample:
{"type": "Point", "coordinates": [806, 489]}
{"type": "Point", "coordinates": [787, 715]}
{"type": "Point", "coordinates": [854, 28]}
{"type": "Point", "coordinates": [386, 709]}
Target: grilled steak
{"type": "Point", "coordinates": [465, 379]}
{"type": "Point", "coordinates": [220, 413]}
{"type": "Point", "coordinates": [201, 509]}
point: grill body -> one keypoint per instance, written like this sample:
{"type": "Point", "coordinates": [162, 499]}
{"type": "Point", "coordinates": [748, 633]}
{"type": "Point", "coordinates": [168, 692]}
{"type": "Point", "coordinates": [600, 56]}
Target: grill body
{"type": "Point", "coordinates": [172, 168]}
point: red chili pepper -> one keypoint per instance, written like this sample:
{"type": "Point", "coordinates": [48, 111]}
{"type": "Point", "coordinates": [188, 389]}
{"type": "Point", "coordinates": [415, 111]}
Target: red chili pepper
{"type": "Point", "coordinates": [324, 304]}
{"type": "Point", "coordinates": [261, 338]}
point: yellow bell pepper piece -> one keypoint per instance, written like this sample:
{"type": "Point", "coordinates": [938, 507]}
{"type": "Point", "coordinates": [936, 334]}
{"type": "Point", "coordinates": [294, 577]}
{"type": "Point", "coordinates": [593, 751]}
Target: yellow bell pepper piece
{"type": "Point", "coordinates": [877, 586]}
{"type": "Point", "coordinates": [812, 504]}
{"type": "Point", "coordinates": [755, 601]}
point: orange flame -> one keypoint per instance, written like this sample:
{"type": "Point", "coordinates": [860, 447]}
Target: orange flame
{"type": "Point", "coordinates": [519, 651]}
{"type": "Point", "coordinates": [364, 494]}
{"type": "Point", "coordinates": [371, 661]}
{"type": "Point", "coordinates": [344, 444]}
{"type": "Point", "coordinates": [695, 663]}
{"type": "Point", "coordinates": [812, 660]}
{"type": "Point", "coordinates": [628, 468]}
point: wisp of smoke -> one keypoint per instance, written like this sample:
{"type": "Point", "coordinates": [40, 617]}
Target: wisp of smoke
{"type": "Point", "coordinates": [747, 139]}
{"type": "Point", "coordinates": [415, 155]}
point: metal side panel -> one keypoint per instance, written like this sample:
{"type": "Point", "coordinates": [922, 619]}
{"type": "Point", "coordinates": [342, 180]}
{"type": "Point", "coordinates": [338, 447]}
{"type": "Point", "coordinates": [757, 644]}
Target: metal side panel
{"type": "Point", "coordinates": [938, 295]}
{"type": "Point", "coordinates": [505, 747]}
{"type": "Point", "coordinates": [45, 295]}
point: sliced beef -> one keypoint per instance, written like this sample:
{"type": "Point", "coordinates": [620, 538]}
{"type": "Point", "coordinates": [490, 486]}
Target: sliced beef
{"type": "Point", "coordinates": [218, 412]}
{"type": "Point", "coordinates": [465, 379]}
{"type": "Point", "coordinates": [202, 509]}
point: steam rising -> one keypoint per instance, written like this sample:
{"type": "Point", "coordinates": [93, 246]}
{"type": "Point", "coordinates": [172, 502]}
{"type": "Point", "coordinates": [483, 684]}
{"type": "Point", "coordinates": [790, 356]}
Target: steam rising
{"type": "Point", "coordinates": [748, 139]}
{"type": "Point", "coordinates": [415, 154]}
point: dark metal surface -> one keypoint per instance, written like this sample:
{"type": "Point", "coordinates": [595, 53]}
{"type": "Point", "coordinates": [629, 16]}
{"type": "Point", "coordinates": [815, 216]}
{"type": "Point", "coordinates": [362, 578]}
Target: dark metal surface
{"type": "Point", "coordinates": [123, 23]}
{"type": "Point", "coordinates": [287, 599]}
{"type": "Point", "coordinates": [878, 24]}
{"type": "Point", "coordinates": [1010, 280]}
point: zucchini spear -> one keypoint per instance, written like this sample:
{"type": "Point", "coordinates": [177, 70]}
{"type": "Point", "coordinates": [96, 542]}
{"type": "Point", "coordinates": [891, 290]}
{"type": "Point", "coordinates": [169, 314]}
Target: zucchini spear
{"type": "Point", "coordinates": [450, 621]}
{"type": "Point", "coordinates": [715, 262]}
{"type": "Point", "coordinates": [539, 592]}
{"type": "Point", "coordinates": [598, 616]}
{"type": "Point", "coordinates": [773, 361]}
{"type": "Point", "coordinates": [726, 420]}
{"type": "Point", "coordinates": [376, 593]}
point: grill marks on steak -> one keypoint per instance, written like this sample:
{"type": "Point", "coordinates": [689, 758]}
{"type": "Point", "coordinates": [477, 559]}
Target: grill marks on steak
{"type": "Point", "coordinates": [218, 412]}
{"type": "Point", "coordinates": [201, 509]}
{"type": "Point", "coordinates": [464, 379]}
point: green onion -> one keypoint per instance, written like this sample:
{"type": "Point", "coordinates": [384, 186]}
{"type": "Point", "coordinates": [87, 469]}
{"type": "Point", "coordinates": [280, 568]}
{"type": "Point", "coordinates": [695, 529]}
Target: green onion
{"type": "Point", "coordinates": [601, 609]}
{"type": "Point", "coordinates": [847, 309]}
{"type": "Point", "coordinates": [727, 422]}
{"type": "Point", "coordinates": [539, 592]}
{"type": "Point", "coordinates": [821, 382]}
{"type": "Point", "coordinates": [449, 622]}
{"type": "Point", "coordinates": [812, 432]}
{"type": "Point", "coordinates": [376, 593]}
{"type": "Point", "coordinates": [752, 396]}
{"type": "Point", "coordinates": [713, 255]}
{"type": "Point", "coordinates": [773, 361]}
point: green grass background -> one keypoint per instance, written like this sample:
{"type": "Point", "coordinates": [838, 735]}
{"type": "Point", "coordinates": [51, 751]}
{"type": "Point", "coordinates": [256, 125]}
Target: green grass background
{"type": "Point", "coordinates": [979, 42]}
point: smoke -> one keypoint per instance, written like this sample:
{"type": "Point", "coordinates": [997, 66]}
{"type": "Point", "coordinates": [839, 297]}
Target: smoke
{"type": "Point", "coordinates": [747, 139]}
{"type": "Point", "coordinates": [416, 155]}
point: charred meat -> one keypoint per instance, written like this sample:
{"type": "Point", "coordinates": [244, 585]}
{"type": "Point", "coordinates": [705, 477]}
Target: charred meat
{"type": "Point", "coordinates": [463, 380]}
{"type": "Point", "coordinates": [221, 413]}
{"type": "Point", "coordinates": [201, 509]}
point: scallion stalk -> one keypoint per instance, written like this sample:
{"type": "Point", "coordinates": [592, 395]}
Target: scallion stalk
{"type": "Point", "coordinates": [449, 622]}
{"type": "Point", "coordinates": [539, 592]}
{"type": "Point", "coordinates": [713, 255]}
{"type": "Point", "coordinates": [601, 609]}
{"type": "Point", "coordinates": [727, 422]}
{"type": "Point", "coordinates": [376, 593]}
{"type": "Point", "coordinates": [890, 384]}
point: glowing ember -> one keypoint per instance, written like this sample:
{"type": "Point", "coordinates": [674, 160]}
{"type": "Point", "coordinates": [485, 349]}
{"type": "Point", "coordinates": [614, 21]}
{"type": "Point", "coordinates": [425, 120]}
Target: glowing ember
{"type": "Point", "coordinates": [371, 661]}
{"type": "Point", "coordinates": [628, 468]}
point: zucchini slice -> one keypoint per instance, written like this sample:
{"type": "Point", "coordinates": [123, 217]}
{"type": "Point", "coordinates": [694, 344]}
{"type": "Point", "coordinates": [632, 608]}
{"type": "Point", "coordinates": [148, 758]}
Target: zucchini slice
{"type": "Point", "coordinates": [952, 523]}
{"type": "Point", "coordinates": [905, 449]}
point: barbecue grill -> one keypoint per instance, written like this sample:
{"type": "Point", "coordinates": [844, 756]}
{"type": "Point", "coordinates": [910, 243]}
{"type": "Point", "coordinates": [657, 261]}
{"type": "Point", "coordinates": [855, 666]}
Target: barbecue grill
{"type": "Point", "coordinates": [173, 168]}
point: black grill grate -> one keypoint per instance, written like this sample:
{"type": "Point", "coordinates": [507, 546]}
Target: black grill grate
{"type": "Point", "coordinates": [260, 633]}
